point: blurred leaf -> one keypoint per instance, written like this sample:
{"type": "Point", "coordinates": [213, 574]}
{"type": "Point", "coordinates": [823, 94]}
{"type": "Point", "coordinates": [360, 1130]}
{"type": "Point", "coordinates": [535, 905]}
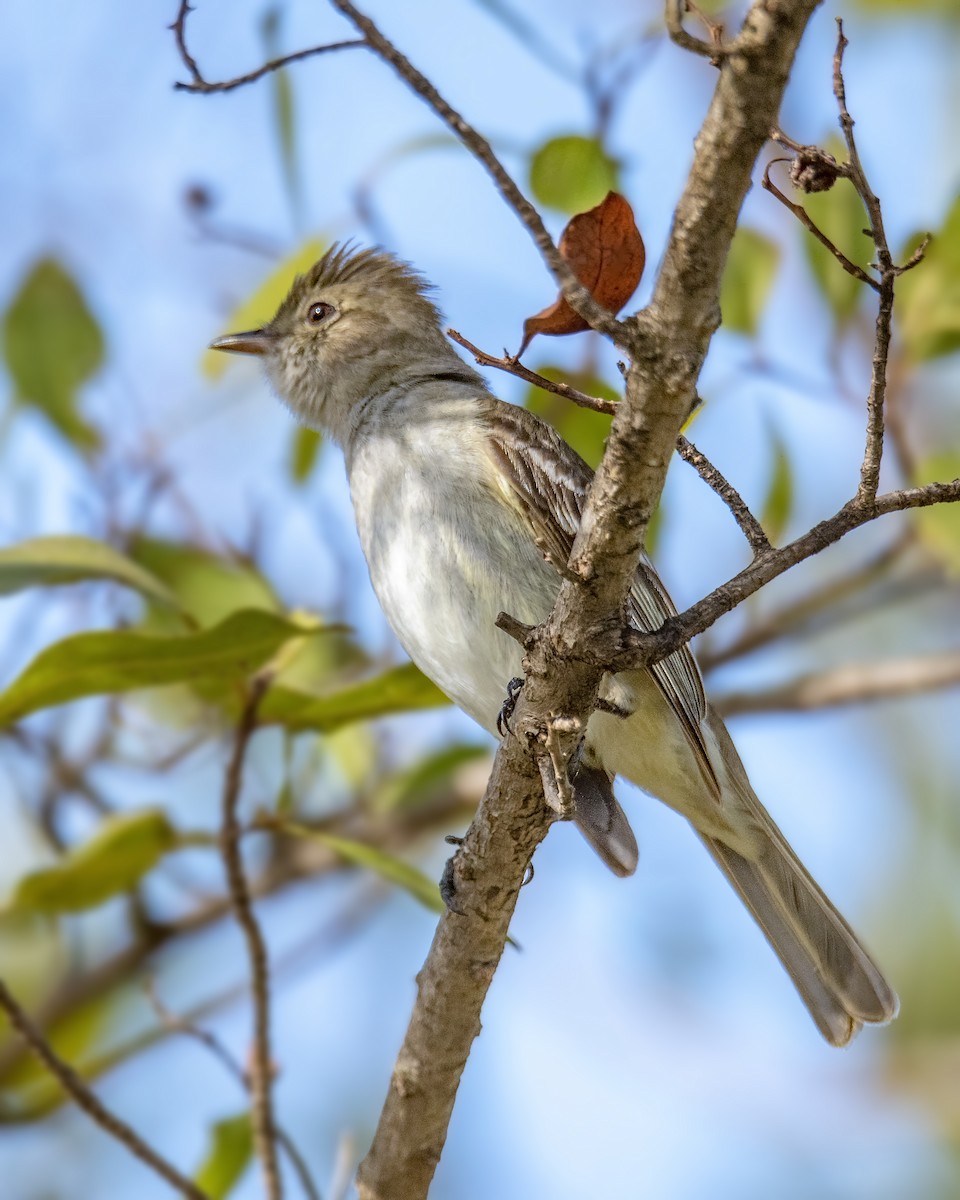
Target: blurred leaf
{"type": "Point", "coordinates": [209, 587]}
{"type": "Point", "coordinates": [51, 561]}
{"type": "Point", "coordinates": [93, 664]}
{"type": "Point", "coordinates": [749, 275]}
{"type": "Point", "coordinates": [399, 689]}
{"type": "Point", "coordinates": [263, 304]}
{"type": "Point", "coordinates": [427, 780]}
{"type": "Point", "coordinates": [778, 505]}
{"type": "Point", "coordinates": [910, 8]}
{"type": "Point", "coordinates": [840, 214]}
{"type": "Point", "coordinates": [52, 345]}
{"type": "Point", "coordinates": [586, 431]}
{"type": "Point", "coordinates": [123, 849]}
{"type": "Point", "coordinates": [393, 870]}
{"type": "Point", "coordinates": [307, 444]}
{"type": "Point", "coordinates": [228, 1156]}
{"type": "Point", "coordinates": [282, 109]}
{"type": "Point", "coordinates": [928, 296]}
{"type": "Point", "coordinates": [939, 525]}
{"type": "Point", "coordinates": [572, 173]}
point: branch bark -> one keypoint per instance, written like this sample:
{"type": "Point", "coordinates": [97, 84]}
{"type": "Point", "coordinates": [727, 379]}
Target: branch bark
{"type": "Point", "coordinates": [667, 343]}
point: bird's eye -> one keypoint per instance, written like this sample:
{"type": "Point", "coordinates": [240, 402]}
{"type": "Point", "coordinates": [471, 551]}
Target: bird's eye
{"type": "Point", "coordinates": [319, 312]}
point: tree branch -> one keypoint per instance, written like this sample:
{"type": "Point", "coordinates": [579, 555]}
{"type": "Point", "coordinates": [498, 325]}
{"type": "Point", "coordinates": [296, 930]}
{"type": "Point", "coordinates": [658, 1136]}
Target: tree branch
{"type": "Point", "coordinates": [204, 87]}
{"type": "Point", "coordinates": [85, 1099]}
{"type": "Point", "coordinates": [850, 684]}
{"type": "Point", "coordinates": [667, 343]}
{"type": "Point", "coordinates": [231, 832]}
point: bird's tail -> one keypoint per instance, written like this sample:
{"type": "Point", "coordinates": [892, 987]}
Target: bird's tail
{"type": "Point", "coordinates": [837, 980]}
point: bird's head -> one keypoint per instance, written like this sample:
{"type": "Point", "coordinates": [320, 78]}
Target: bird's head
{"type": "Point", "coordinates": [356, 324]}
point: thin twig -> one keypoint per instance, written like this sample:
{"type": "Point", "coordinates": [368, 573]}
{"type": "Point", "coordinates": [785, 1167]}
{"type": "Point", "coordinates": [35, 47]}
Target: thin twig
{"type": "Point", "coordinates": [205, 87]}
{"type": "Point", "coordinates": [748, 523]}
{"type": "Point", "coordinates": [573, 290]}
{"type": "Point", "coordinates": [854, 683]}
{"type": "Point", "coordinates": [231, 832]}
{"type": "Point", "coordinates": [714, 49]}
{"type": "Point", "coordinates": [85, 1099]}
{"type": "Point", "coordinates": [751, 528]}
{"type": "Point", "coordinates": [808, 222]}
{"type": "Point", "coordinates": [513, 366]}
{"type": "Point", "coordinates": [175, 1023]}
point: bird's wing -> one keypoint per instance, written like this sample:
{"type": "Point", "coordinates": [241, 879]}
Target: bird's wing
{"type": "Point", "coordinates": [546, 482]}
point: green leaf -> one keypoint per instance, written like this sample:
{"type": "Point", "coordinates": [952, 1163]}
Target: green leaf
{"type": "Point", "coordinates": [778, 505]}
{"type": "Point", "coordinates": [393, 870]}
{"type": "Point", "coordinates": [52, 561]}
{"type": "Point", "coordinates": [263, 304]}
{"type": "Point", "coordinates": [52, 345]}
{"type": "Point", "coordinates": [585, 430]}
{"type": "Point", "coordinates": [123, 849]}
{"type": "Point", "coordinates": [229, 1154]}
{"type": "Point", "coordinates": [94, 664]}
{"type": "Point", "coordinates": [840, 214]}
{"type": "Point", "coordinates": [207, 586]}
{"type": "Point", "coordinates": [928, 296]}
{"type": "Point", "coordinates": [282, 109]}
{"type": "Point", "coordinates": [573, 173]}
{"type": "Point", "coordinates": [426, 781]}
{"type": "Point", "coordinates": [939, 525]}
{"type": "Point", "coordinates": [749, 275]}
{"type": "Point", "coordinates": [307, 444]}
{"type": "Point", "coordinates": [910, 8]}
{"type": "Point", "coordinates": [400, 689]}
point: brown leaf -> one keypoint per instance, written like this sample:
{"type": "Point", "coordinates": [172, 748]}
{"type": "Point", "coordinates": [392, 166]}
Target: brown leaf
{"type": "Point", "coordinates": [605, 250]}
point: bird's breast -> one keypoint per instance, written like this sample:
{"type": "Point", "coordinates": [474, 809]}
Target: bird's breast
{"type": "Point", "coordinates": [446, 556]}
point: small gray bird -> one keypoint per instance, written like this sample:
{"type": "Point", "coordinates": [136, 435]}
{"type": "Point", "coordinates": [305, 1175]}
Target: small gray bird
{"type": "Point", "coordinates": [465, 506]}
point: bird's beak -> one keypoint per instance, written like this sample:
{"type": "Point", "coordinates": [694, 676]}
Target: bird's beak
{"type": "Point", "coordinates": [254, 341]}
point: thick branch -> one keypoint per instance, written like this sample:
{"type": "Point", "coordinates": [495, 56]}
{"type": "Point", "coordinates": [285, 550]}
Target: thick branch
{"type": "Point", "coordinates": [85, 1099]}
{"type": "Point", "coordinates": [668, 344]}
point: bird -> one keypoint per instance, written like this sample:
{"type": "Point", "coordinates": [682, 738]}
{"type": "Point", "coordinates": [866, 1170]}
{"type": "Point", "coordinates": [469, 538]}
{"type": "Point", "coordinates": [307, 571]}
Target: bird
{"type": "Point", "coordinates": [467, 506]}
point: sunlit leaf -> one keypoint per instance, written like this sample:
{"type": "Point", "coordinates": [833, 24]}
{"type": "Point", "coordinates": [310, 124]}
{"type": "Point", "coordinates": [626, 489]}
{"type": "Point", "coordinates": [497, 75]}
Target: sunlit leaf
{"type": "Point", "coordinates": [778, 505]}
{"type": "Point", "coordinates": [263, 304]}
{"type": "Point", "coordinates": [114, 661]}
{"type": "Point", "coordinates": [50, 561]}
{"type": "Point", "coordinates": [751, 267]}
{"type": "Point", "coordinates": [207, 585]}
{"type": "Point", "coordinates": [572, 173]}
{"type": "Point", "coordinates": [928, 296]}
{"type": "Point", "coordinates": [840, 214]}
{"type": "Point", "coordinates": [400, 689]}
{"type": "Point", "coordinates": [305, 451]}
{"type": "Point", "coordinates": [52, 345]}
{"type": "Point", "coordinates": [123, 849]}
{"type": "Point", "coordinates": [392, 869]}
{"type": "Point", "coordinates": [939, 525]}
{"type": "Point", "coordinates": [427, 780]}
{"type": "Point", "coordinates": [228, 1156]}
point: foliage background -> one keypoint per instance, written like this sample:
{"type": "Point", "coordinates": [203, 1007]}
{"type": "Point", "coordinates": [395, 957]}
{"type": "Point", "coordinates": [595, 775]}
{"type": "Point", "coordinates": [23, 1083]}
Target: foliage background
{"type": "Point", "coordinates": [644, 1041]}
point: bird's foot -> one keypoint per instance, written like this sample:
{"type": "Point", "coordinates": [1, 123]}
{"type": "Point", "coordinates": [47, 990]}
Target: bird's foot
{"type": "Point", "coordinates": [514, 688]}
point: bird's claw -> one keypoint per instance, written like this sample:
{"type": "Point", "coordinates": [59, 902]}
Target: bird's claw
{"type": "Point", "coordinates": [514, 688]}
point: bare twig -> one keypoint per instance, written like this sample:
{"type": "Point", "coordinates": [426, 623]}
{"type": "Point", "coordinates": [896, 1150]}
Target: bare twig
{"type": "Point", "coordinates": [808, 222]}
{"type": "Point", "coordinates": [513, 366]}
{"type": "Point", "coordinates": [748, 523]}
{"type": "Point", "coordinates": [751, 528]}
{"type": "Point", "coordinates": [850, 684]}
{"type": "Point", "coordinates": [85, 1099]}
{"type": "Point", "coordinates": [714, 49]}
{"type": "Point", "coordinates": [573, 290]}
{"type": "Point", "coordinates": [203, 86]}
{"type": "Point", "coordinates": [175, 1023]}
{"type": "Point", "coordinates": [261, 1071]}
